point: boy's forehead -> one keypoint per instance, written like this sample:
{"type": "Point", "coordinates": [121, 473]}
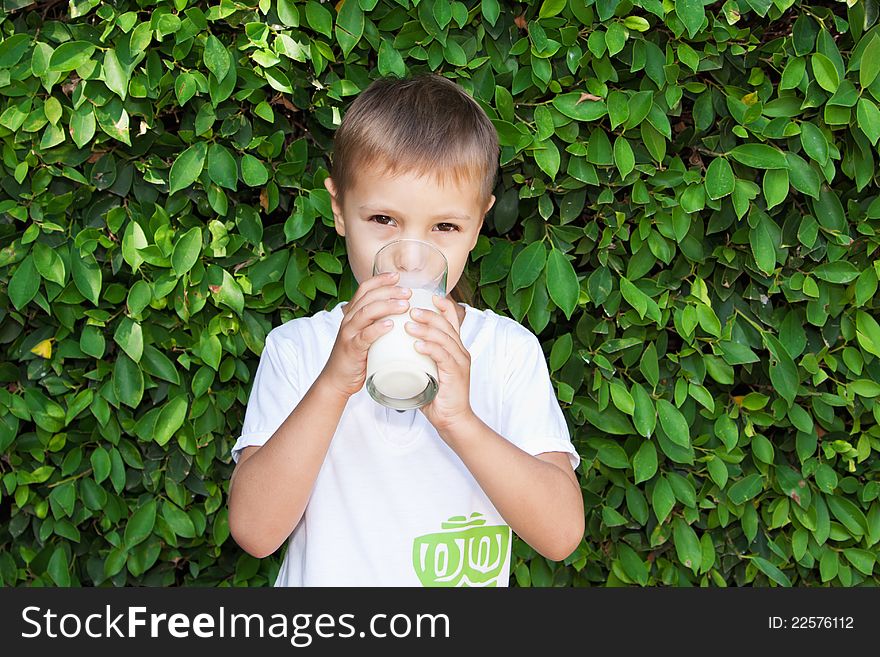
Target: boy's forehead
{"type": "Point", "coordinates": [428, 172]}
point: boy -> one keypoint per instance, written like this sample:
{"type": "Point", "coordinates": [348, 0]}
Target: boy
{"type": "Point", "coordinates": [370, 496]}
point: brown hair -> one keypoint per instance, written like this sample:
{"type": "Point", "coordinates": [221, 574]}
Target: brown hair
{"type": "Point", "coordinates": [425, 124]}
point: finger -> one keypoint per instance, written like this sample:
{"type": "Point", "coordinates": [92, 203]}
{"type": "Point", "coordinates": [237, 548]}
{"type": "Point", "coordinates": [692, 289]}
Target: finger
{"type": "Point", "coordinates": [377, 309]}
{"type": "Point", "coordinates": [438, 321]}
{"type": "Point", "coordinates": [433, 335]}
{"type": "Point", "coordinates": [439, 355]}
{"type": "Point", "coordinates": [373, 283]}
{"type": "Point", "coordinates": [448, 309]}
{"type": "Point", "coordinates": [383, 293]}
{"type": "Point", "coordinates": [373, 332]}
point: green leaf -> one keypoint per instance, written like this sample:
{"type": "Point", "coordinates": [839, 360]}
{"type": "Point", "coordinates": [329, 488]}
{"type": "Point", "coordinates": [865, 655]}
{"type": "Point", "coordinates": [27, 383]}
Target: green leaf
{"type": "Point", "coordinates": [645, 462]}
{"type": "Point", "coordinates": [253, 171]}
{"type": "Point", "coordinates": [868, 333]}
{"type": "Point", "coordinates": [179, 522]}
{"type": "Point", "coordinates": [187, 167]}
{"type": "Point", "coordinates": [692, 14]}
{"type": "Point", "coordinates": [829, 564]}
{"type": "Point", "coordinates": [759, 156]}
{"type": "Point", "coordinates": [24, 284]}
{"type": "Point", "coordinates": [129, 336]}
{"type": "Point", "coordinates": [319, 18]}
{"type": "Point", "coordinates": [775, 186]}
{"type": "Point", "coordinates": [82, 125]}
{"type": "Point", "coordinates": [814, 143]}
{"type": "Point", "coordinates": [763, 248]}
{"type": "Point", "coordinates": [140, 524]}
{"type": "Point", "coordinates": [216, 57]}
{"type": "Point", "coordinates": [609, 420]}
{"type": "Point", "coordinates": [86, 274]}
{"type": "Point", "coordinates": [100, 460]}
{"type": "Point", "coordinates": [390, 61]}
{"type": "Point", "coordinates": [719, 178]}
{"type": "Point", "coordinates": [745, 489]}
{"type": "Point", "coordinates": [868, 117]}
{"type": "Point", "coordinates": [561, 351]}
{"type": "Point", "coordinates": [771, 571]}
{"type": "Point", "coordinates": [613, 456]}
{"type": "Point", "coordinates": [171, 418]}
{"type": "Point", "coordinates": [71, 55]}
{"type": "Point", "coordinates": [673, 423]}
{"type": "Point", "coordinates": [288, 13]}
{"type": "Point", "coordinates": [58, 567]}
{"type": "Point", "coordinates": [863, 560]}
{"type": "Point", "coordinates": [869, 65]}
{"type": "Point", "coordinates": [793, 73]}
{"type": "Point", "coordinates": [221, 167]}
{"type": "Point", "coordinates": [783, 371]}
{"type": "Point", "coordinates": [128, 381]}
{"type": "Point", "coordinates": [848, 514]}
{"type": "Point", "coordinates": [644, 414]}
{"type": "Point", "coordinates": [570, 105]}
{"type": "Point", "coordinates": [187, 251]}
{"type": "Point", "coordinates": [491, 11]}
{"type": "Point", "coordinates": [349, 26]}
{"type": "Point", "coordinates": [687, 545]}
{"type": "Point", "coordinates": [547, 158]}
{"type": "Point", "coordinates": [840, 271]}
{"type": "Point", "coordinates": [157, 364]}
{"type": "Point", "coordinates": [562, 282]}
{"type": "Point", "coordinates": [803, 177]}
{"type": "Point", "coordinates": [632, 564]}
{"type": "Point", "coordinates": [114, 75]}
{"type": "Point", "coordinates": [550, 8]}
{"type": "Point", "coordinates": [114, 120]}
{"type": "Point", "coordinates": [528, 265]}
{"type": "Point", "coordinates": [662, 499]}
{"type": "Point", "coordinates": [230, 293]}
{"type": "Point", "coordinates": [623, 156]}
{"type": "Point", "coordinates": [824, 71]}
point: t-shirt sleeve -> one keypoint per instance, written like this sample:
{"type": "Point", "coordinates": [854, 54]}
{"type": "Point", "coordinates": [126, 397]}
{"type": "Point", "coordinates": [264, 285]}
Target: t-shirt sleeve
{"type": "Point", "coordinates": [531, 416]}
{"type": "Point", "coordinates": [274, 394]}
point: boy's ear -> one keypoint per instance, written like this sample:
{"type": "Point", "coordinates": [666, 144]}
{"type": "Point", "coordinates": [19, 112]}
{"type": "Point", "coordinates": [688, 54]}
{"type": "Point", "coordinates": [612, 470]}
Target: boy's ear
{"type": "Point", "coordinates": [338, 221]}
{"type": "Point", "coordinates": [491, 203]}
{"type": "Point", "coordinates": [482, 218]}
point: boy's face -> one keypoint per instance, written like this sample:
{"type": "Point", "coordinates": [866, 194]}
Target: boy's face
{"type": "Point", "coordinates": [380, 209]}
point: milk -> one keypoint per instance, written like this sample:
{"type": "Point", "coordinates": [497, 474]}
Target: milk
{"type": "Point", "coordinates": [394, 367]}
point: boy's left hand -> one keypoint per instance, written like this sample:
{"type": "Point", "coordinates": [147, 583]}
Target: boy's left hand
{"type": "Point", "coordinates": [440, 334]}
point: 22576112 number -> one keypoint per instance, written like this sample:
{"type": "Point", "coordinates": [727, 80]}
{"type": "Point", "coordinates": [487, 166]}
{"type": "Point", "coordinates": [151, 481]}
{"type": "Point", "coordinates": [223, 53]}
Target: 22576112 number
{"type": "Point", "coordinates": [811, 623]}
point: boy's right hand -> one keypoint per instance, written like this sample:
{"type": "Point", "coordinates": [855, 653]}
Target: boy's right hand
{"type": "Point", "coordinates": [362, 324]}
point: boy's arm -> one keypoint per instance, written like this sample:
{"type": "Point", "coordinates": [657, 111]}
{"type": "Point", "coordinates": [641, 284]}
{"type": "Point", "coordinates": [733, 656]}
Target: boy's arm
{"type": "Point", "coordinates": [538, 496]}
{"type": "Point", "coordinates": [271, 485]}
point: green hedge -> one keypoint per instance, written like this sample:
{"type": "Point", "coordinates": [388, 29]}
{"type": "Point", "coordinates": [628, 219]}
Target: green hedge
{"type": "Point", "coordinates": [687, 217]}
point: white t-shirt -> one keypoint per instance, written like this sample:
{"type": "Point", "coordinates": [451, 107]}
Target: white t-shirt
{"type": "Point", "coordinates": [393, 505]}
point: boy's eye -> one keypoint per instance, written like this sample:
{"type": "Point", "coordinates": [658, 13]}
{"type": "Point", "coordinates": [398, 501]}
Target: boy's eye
{"type": "Point", "coordinates": [383, 220]}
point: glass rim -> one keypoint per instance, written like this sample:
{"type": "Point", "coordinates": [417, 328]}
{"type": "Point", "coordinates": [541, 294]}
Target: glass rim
{"type": "Point", "coordinates": [412, 239]}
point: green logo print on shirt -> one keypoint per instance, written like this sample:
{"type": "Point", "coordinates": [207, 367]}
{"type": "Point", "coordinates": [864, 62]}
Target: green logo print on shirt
{"type": "Point", "coordinates": [466, 553]}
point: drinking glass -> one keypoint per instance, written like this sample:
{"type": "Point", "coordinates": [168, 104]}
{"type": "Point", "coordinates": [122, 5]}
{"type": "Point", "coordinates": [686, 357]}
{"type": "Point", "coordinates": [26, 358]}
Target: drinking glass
{"type": "Point", "coordinates": [398, 376]}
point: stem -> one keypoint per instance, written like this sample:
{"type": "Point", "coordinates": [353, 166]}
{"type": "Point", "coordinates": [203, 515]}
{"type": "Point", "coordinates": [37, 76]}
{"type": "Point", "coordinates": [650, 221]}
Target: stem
{"type": "Point", "coordinates": [73, 478]}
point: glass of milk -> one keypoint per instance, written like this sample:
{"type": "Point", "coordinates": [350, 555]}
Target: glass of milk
{"type": "Point", "coordinates": [398, 376]}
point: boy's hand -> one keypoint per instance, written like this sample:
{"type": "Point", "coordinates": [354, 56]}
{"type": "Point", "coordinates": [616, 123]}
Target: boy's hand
{"type": "Point", "coordinates": [440, 335]}
{"type": "Point", "coordinates": [375, 299]}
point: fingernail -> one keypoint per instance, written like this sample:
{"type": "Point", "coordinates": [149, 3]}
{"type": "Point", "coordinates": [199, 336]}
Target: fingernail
{"type": "Point", "coordinates": [417, 312]}
{"type": "Point", "coordinates": [401, 303]}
